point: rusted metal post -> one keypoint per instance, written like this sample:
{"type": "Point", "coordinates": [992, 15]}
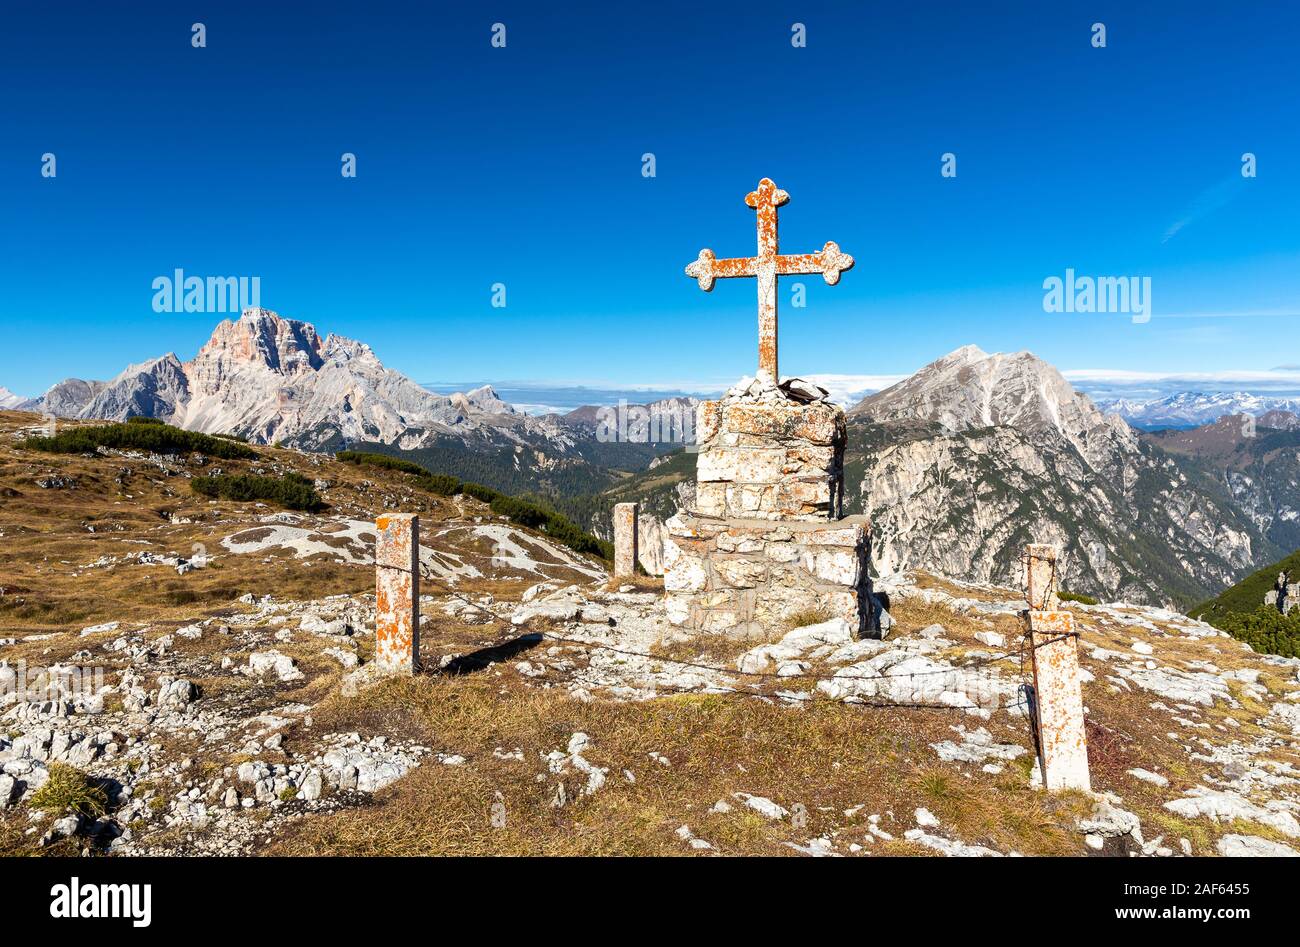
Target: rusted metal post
{"type": "Point", "coordinates": [626, 541]}
{"type": "Point", "coordinates": [397, 592]}
{"type": "Point", "coordinates": [1058, 691]}
{"type": "Point", "coordinates": [766, 267]}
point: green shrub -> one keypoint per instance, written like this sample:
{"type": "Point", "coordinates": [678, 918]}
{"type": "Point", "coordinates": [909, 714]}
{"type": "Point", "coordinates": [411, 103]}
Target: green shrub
{"type": "Point", "coordinates": [480, 492]}
{"type": "Point", "coordinates": [1076, 597]}
{"type": "Point", "coordinates": [291, 491]}
{"type": "Point", "coordinates": [363, 459]}
{"type": "Point", "coordinates": [441, 484]}
{"type": "Point", "coordinates": [145, 434]}
{"type": "Point", "coordinates": [1265, 629]}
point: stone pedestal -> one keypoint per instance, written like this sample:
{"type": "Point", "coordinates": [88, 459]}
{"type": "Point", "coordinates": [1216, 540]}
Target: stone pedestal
{"type": "Point", "coordinates": [764, 540]}
{"type": "Point", "coordinates": [748, 577]}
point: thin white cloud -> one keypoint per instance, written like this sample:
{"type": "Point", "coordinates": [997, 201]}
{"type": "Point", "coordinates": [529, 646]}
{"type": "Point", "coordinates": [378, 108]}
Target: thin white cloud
{"type": "Point", "coordinates": [848, 390]}
{"type": "Point", "coordinates": [1206, 203]}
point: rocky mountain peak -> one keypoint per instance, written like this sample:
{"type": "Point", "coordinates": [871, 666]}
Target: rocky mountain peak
{"type": "Point", "coordinates": [970, 389]}
{"type": "Point", "coordinates": [273, 379]}
{"type": "Point", "coordinates": [962, 356]}
{"type": "Point", "coordinates": [485, 398]}
{"type": "Point", "coordinates": [264, 338]}
{"type": "Point", "coordinates": [1280, 420]}
{"type": "Point", "coordinates": [8, 399]}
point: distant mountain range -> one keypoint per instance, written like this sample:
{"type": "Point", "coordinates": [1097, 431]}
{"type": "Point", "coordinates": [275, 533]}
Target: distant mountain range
{"type": "Point", "coordinates": [1194, 408]}
{"type": "Point", "coordinates": [270, 379]}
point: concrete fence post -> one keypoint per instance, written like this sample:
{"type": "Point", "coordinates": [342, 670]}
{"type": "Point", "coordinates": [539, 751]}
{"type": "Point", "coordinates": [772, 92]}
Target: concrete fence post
{"type": "Point", "coordinates": [1058, 692]}
{"type": "Point", "coordinates": [397, 592]}
{"type": "Point", "coordinates": [625, 538]}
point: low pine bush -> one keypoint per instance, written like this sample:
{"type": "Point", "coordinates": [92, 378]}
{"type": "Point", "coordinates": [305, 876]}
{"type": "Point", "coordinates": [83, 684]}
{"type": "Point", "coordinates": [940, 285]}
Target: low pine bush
{"type": "Point", "coordinates": [291, 491]}
{"type": "Point", "coordinates": [144, 434]}
{"type": "Point", "coordinates": [1265, 629]}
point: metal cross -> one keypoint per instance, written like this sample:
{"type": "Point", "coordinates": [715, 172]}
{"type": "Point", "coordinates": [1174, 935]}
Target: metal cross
{"type": "Point", "coordinates": [767, 266]}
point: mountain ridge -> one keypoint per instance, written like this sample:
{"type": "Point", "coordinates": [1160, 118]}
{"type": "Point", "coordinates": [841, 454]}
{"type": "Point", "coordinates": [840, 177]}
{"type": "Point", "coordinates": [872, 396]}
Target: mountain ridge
{"type": "Point", "coordinates": [976, 454]}
{"type": "Point", "coordinates": [271, 379]}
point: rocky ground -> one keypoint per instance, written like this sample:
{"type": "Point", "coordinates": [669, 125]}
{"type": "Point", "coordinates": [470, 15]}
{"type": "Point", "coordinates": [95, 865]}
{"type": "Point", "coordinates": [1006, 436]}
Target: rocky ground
{"type": "Point", "coordinates": [557, 713]}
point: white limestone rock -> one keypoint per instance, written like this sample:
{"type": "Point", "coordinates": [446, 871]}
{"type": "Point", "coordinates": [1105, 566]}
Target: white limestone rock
{"type": "Point", "coordinates": [261, 663]}
{"type": "Point", "coordinates": [1226, 806]}
{"type": "Point", "coordinates": [1252, 846]}
{"type": "Point", "coordinates": [1149, 777]}
{"type": "Point", "coordinates": [948, 847]}
{"type": "Point", "coordinates": [766, 807]}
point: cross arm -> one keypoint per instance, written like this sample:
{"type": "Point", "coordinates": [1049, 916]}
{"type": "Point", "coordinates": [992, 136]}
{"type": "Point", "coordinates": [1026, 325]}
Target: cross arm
{"type": "Point", "coordinates": [830, 262]}
{"type": "Point", "coordinates": [708, 268]}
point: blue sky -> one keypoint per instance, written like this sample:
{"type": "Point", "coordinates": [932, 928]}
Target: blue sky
{"type": "Point", "coordinates": [522, 166]}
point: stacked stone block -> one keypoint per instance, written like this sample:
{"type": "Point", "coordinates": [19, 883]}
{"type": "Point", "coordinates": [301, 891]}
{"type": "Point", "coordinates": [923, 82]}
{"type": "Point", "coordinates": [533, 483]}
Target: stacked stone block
{"type": "Point", "coordinates": [770, 460]}
{"type": "Point", "coordinates": [764, 540]}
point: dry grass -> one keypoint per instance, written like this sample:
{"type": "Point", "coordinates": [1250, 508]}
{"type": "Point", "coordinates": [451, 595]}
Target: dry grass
{"type": "Point", "coordinates": [69, 791]}
{"type": "Point", "coordinates": [913, 614]}
{"type": "Point", "coordinates": [717, 650]}
{"type": "Point", "coordinates": [826, 756]}
{"type": "Point", "coordinates": [812, 616]}
{"type": "Point", "coordinates": [640, 583]}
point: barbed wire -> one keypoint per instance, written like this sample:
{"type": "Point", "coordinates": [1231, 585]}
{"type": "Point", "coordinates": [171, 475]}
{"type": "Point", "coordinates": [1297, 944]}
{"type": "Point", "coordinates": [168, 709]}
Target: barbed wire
{"type": "Point", "coordinates": [1028, 646]}
{"type": "Point", "coordinates": [1052, 583]}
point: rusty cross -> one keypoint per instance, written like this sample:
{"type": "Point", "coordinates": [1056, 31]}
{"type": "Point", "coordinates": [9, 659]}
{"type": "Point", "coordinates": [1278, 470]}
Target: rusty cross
{"type": "Point", "coordinates": [767, 266]}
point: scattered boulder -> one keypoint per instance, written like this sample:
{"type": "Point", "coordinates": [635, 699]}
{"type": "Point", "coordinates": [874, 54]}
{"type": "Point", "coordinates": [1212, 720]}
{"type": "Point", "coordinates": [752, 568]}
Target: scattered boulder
{"type": "Point", "coordinates": [1227, 806]}
{"type": "Point", "coordinates": [260, 663]}
{"type": "Point", "coordinates": [766, 807]}
{"type": "Point", "coordinates": [175, 693]}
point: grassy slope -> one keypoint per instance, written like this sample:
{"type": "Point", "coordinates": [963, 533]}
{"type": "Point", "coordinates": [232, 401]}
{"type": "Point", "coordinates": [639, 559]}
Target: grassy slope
{"type": "Point", "coordinates": [120, 506]}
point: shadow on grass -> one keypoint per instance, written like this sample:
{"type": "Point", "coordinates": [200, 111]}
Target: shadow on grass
{"type": "Point", "coordinates": [486, 657]}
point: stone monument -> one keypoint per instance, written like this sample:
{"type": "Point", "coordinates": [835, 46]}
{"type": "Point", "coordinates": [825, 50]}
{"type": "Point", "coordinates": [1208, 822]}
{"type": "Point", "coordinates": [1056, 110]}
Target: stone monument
{"type": "Point", "coordinates": [765, 539]}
